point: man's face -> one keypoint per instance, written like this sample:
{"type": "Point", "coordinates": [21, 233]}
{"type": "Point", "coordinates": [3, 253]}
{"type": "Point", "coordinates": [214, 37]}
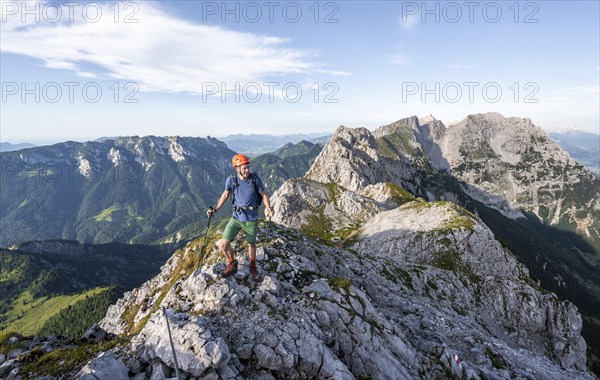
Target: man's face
{"type": "Point", "coordinates": [244, 170]}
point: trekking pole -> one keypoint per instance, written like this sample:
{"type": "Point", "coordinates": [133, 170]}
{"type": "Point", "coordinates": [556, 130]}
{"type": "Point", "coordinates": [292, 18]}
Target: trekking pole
{"type": "Point", "coordinates": [205, 235]}
{"type": "Point", "coordinates": [267, 237]}
{"type": "Point", "coordinates": [171, 341]}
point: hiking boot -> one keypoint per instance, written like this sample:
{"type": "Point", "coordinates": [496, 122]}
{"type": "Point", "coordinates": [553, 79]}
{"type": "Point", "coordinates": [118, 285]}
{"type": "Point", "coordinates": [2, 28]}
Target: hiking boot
{"type": "Point", "coordinates": [254, 274]}
{"type": "Point", "coordinates": [230, 269]}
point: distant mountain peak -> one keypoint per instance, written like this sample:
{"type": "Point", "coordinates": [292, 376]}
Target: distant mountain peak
{"type": "Point", "coordinates": [427, 119]}
{"type": "Point", "coordinates": [8, 147]}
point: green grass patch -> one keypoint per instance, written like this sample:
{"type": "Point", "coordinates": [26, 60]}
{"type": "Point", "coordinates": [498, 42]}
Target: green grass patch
{"type": "Point", "coordinates": [399, 195]}
{"type": "Point", "coordinates": [396, 143]}
{"type": "Point", "coordinates": [29, 314]}
{"type": "Point", "coordinates": [463, 219]}
{"type": "Point", "coordinates": [423, 205]}
{"type": "Point", "coordinates": [460, 222]}
{"type": "Point", "coordinates": [317, 225]}
{"type": "Point", "coordinates": [450, 260]}
{"type": "Point", "coordinates": [107, 214]}
{"type": "Point", "coordinates": [334, 192]}
{"type": "Point", "coordinates": [340, 283]}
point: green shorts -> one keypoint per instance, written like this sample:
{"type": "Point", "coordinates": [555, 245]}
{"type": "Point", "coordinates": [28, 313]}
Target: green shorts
{"type": "Point", "coordinates": [234, 226]}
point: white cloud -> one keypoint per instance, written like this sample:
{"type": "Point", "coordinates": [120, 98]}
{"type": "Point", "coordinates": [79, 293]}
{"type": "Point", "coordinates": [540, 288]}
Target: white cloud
{"type": "Point", "coordinates": [159, 52]}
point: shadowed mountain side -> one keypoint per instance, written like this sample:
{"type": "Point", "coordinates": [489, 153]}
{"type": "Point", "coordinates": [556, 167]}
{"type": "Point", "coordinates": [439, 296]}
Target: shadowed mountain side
{"type": "Point", "coordinates": [40, 278]}
{"type": "Point", "coordinates": [290, 161]}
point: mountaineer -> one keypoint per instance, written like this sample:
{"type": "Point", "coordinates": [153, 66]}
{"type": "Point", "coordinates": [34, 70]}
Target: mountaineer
{"type": "Point", "coordinates": [247, 193]}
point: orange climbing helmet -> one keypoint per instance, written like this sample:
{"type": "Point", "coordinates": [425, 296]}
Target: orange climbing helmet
{"type": "Point", "coordinates": [239, 159]}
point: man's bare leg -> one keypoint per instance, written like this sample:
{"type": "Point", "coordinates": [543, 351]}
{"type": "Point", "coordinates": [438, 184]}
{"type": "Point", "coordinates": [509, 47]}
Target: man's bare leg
{"type": "Point", "coordinates": [226, 249]}
{"type": "Point", "coordinates": [232, 266]}
{"type": "Point", "coordinates": [252, 251]}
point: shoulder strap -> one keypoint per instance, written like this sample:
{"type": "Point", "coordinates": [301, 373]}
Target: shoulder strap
{"type": "Point", "coordinates": [234, 186]}
{"type": "Point", "coordinates": [258, 198]}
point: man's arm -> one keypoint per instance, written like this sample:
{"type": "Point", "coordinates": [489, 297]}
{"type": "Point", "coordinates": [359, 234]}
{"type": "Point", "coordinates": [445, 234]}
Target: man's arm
{"type": "Point", "coordinates": [267, 202]}
{"type": "Point", "coordinates": [220, 204]}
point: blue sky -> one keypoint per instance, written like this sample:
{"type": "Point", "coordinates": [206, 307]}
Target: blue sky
{"type": "Point", "coordinates": [216, 68]}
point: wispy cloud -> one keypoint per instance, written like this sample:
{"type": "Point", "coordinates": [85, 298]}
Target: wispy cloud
{"type": "Point", "coordinates": [398, 59]}
{"type": "Point", "coordinates": [409, 21]}
{"type": "Point", "coordinates": [159, 52]}
{"type": "Point", "coordinates": [334, 72]}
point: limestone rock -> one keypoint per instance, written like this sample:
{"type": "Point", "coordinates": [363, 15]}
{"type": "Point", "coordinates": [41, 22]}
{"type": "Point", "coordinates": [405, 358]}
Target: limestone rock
{"type": "Point", "coordinates": [196, 348]}
{"type": "Point", "coordinates": [105, 367]}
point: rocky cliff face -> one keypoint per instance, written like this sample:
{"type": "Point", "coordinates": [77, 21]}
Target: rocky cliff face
{"type": "Point", "coordinates": [436, 162]}
{"type": "Point", "coordinates": [424, 292]}
{"type": "Point", "coordinates": [516, 160]}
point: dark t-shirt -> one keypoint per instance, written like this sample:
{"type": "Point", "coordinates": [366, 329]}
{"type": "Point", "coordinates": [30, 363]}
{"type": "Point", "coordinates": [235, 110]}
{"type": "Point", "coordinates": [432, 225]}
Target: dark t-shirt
{"type": "Point", "coordinates": [244, 197]}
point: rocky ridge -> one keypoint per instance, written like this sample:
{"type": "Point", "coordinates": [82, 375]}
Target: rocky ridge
{"type": "Point", "coordinates": [425, 292]}
{"type": "Point", "coordinates": [411, 154]}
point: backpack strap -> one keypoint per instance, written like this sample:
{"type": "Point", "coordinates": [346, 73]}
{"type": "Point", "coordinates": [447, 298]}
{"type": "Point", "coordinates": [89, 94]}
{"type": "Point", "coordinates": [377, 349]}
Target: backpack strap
{"type": "Point", "coordinates": [258, 198]}
{"type": "Point", "coordinates": [234, 186]}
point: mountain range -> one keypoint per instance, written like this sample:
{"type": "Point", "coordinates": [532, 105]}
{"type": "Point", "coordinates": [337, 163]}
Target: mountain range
{"type": "Point", "coordinates": [289, 161]}
{"type": "Point", "coordinates": [8, 147]}
{"type": "Point", "coordinates": [129, 190]}
{"type": "Point", "coordinates": [257, 144]}
{"type": "Point", "coordinates": [441, 215]}
{"type": "Point", "coordinates": [132, 189]}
